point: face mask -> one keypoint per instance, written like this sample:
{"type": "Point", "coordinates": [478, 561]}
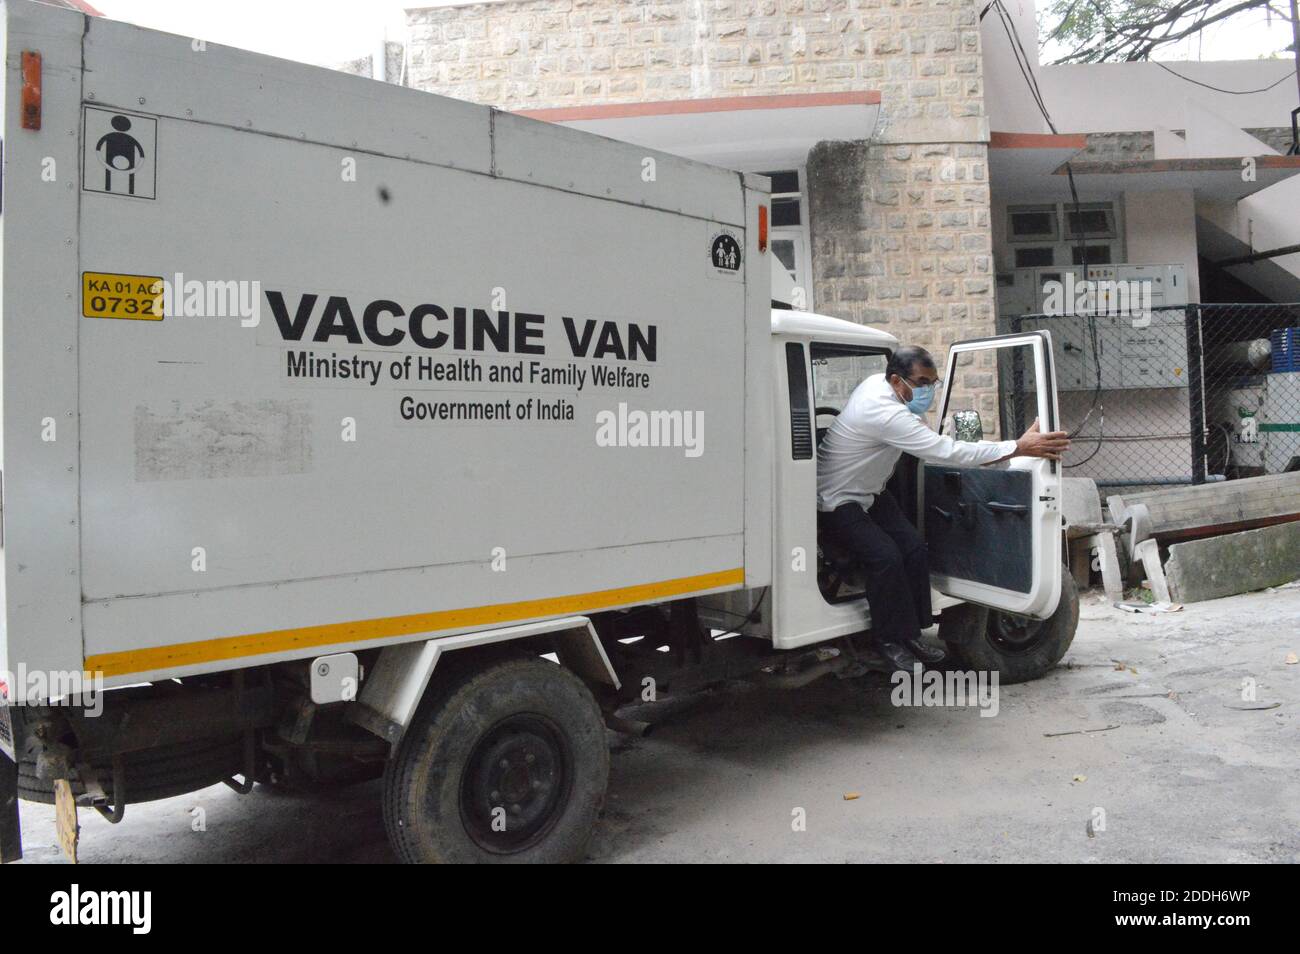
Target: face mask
{"type": "Point", "coordinates": [922, 397]}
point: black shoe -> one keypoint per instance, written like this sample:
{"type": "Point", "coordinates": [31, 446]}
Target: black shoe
{"type": "Point", "coordinates": [899, 656]}
{"type": "Point", "coordinates": [930, 655]}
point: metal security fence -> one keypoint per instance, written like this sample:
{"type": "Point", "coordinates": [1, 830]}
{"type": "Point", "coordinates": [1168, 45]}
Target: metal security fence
{"type": "Point", "coordinates": [1168, 395]}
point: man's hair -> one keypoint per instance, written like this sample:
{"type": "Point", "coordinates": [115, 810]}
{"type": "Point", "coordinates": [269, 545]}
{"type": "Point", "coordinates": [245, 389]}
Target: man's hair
{"type": "Point", "coordinates": [902, 361]}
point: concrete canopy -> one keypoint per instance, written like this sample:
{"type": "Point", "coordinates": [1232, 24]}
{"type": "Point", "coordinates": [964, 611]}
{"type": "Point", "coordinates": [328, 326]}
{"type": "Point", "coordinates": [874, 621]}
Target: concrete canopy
{"type": "Point", "coordinates": [1219, 179]}
{"type": "Point", "coordinates": [1025, 164]}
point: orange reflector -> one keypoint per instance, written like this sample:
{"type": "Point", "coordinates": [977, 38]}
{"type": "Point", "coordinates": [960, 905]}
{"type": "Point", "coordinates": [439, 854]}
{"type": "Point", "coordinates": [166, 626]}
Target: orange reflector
{"type": "Point", "coordinates": [31, 102]}
{"type": "Point", "coordinates": [762, 228]}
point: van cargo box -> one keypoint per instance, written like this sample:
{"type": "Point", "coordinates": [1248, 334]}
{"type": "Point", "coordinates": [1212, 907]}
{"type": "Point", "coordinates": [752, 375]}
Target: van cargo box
{"type": "Point", "coordinates": [297, 361]}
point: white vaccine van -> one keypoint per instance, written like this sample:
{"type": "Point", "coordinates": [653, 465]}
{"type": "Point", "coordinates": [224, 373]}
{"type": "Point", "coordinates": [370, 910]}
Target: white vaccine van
{"type": "Point", "coordinates": [350, 430]}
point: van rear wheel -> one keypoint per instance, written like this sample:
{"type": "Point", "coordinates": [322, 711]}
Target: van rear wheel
{"type": "Point", "coordinates": [505, 763]}
{"type": "Point", "coordinates": [1018, 648]}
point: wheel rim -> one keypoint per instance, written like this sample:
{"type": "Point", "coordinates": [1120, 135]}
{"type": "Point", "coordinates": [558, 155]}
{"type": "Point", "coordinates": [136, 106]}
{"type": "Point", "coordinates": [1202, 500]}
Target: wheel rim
{"type": "Point", "coordinates": [1015, 635]}
{"type": "Point", "coordinates": [518, 776]}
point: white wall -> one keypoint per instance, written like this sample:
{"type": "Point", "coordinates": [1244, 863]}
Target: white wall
{"type": "Point", "coordinates": [1271, 219]}
{"type": "Point", "coordinates": [1007, 99]}
{"type": "Point", "coordinates": [1160, 229]}
{"type": "Point", "coordinates": [1124, 97]}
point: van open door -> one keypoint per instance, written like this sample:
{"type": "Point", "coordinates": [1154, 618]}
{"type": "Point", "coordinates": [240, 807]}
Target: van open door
{"type": "Point", "coordinates": [994, 532]}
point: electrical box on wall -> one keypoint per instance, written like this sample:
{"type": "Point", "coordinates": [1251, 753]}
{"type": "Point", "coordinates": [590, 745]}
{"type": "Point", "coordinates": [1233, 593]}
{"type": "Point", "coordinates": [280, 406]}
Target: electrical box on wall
{"type": "Point", "coordinates": [1030, 291]}
{"type": "Point", "coordinates": [1017, 292]}
{"type": "Point", "coordinates": [1106, 321]}
{"type": "Point", "coordinates": [1168, 282]}
{"type": "Point", "coordinates": [1144, 355]}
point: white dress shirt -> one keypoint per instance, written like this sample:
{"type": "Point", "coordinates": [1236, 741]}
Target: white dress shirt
{"type": "Point", "coordinates": [859, 452]}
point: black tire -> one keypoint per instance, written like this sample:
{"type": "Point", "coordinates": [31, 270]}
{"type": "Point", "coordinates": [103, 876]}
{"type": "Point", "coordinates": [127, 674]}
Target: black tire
{"type": "Point", "coordinates": [519, 741]}
{"type": "Point", "coordinates": [1016, 647]}
{"type": "Point", "coordinates": [153, 773]}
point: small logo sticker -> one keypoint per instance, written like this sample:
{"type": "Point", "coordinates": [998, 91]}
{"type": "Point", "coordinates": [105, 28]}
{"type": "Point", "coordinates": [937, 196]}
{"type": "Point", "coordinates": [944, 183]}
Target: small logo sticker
{"type": "Point", "coordinates": [724, 253]}
{"type": "Point", "coordinates": [119, 152]}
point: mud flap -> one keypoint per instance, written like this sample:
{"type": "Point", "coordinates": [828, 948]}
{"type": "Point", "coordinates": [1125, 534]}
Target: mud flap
{"type": "Point", "coordinates": [65, 819]}
{"type": "Point", "coordinates": [11, 833]}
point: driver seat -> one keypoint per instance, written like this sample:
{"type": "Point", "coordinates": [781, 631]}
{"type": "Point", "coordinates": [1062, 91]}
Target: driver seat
{"type": "Point", "coordinates": [819, 412]}
{"type": "Point", "coordinates": [839, 575]}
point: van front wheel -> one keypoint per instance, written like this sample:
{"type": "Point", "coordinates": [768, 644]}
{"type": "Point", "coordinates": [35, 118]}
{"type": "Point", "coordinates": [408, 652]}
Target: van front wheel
{"type": "Point", "coordinates": [1018, 648]}
{"type": "Point", "coordinates": [505, 763]}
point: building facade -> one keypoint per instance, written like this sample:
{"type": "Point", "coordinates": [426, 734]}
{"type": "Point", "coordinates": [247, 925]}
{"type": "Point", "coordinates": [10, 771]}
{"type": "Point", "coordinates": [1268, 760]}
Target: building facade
{"type": "Point", "coordinates": [929, 176]}
{"type": "Point", "coordinates": [869, 114]}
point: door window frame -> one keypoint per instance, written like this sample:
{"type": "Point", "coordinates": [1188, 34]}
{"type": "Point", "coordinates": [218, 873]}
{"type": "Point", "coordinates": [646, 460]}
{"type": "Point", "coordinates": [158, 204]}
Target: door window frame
{"type": "Point", "coordinates": [1044, 383]}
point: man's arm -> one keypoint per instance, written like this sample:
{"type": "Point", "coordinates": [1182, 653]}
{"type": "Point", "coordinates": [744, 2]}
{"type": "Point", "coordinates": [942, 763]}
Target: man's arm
{"type": "Point", "coordinates": [909, 433]}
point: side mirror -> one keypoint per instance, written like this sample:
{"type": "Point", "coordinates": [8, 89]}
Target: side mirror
{"type": "Point", "coordinates": [967, 426]}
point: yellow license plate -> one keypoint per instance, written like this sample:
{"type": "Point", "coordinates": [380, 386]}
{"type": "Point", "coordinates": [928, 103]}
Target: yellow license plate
{"type": "Point", "coordinates": [106, 295]}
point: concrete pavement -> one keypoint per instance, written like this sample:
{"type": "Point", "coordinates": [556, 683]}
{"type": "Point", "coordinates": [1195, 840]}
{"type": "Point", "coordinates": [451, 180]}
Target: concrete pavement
{"type": "Point", "coordinates": [1191, 773]}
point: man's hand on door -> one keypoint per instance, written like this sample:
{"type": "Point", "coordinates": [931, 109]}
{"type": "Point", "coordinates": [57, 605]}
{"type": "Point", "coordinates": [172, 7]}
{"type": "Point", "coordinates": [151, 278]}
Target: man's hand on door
{"type": "Point", "coordinates": [1034, 443]}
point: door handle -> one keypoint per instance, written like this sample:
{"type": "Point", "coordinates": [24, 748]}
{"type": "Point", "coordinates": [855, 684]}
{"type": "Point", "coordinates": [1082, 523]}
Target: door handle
{"type": "Point", "coordinates": [997, 506]}
{"type": "Point", "coordinates": [941, 512]}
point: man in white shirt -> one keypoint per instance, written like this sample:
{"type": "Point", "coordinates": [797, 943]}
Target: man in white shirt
{"type": "Point", "coordinates": [882, 421]}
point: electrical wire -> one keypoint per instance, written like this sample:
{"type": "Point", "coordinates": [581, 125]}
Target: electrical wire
{"type": "Point", "coordinates": [1219, 89]}
{"type": "Point", "coordinates": [1101, 433]}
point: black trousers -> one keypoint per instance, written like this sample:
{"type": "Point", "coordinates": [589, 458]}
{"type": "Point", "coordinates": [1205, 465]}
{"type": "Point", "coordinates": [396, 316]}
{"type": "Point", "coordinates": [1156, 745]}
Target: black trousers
{"type": "Point", "coordinates": [895, 563]}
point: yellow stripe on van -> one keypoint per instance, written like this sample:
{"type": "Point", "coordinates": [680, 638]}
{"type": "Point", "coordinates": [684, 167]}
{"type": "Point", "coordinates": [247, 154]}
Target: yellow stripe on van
{"type": "Point", "coordinates": [282, 640]}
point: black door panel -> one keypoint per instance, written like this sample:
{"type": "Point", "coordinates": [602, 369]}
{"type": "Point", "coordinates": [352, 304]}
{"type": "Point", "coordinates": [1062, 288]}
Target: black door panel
{"type": "Point", "coordinates": [978, 525]}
